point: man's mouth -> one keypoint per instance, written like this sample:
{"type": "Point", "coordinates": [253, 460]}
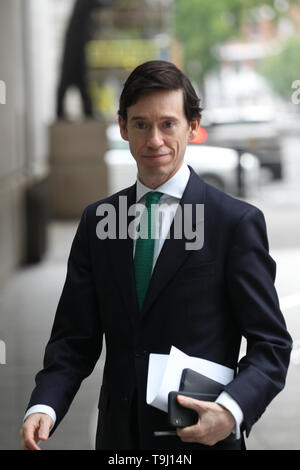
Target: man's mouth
{"type": "Point", "coordinates": [156, 155]}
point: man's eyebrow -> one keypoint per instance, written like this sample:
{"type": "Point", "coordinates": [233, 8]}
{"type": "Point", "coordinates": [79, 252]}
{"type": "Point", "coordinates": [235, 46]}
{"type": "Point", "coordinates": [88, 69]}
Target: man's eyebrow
{"type": "Point", "coordinates": [163, 118]}
{"type": "Point", "coordinates": [138, 118]}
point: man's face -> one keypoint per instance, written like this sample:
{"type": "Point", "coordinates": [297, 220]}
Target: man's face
{"type": "Point", "coordinates": [158, 132]}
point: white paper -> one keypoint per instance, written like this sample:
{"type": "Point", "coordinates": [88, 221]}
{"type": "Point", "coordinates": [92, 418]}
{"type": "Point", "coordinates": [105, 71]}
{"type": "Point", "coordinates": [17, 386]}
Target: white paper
{"type": "Point", "coordinates": [164, 374]}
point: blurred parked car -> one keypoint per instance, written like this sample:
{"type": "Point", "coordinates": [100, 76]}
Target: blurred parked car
{"type": "Point", "coordinates": [247, 129]}
{"type": "Point", "coordinates": [225, 168]}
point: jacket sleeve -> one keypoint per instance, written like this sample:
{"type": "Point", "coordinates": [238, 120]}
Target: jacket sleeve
{"type": "Point", "coordinates": [250, 285]}
{"type": "Point", "coordinates": [76, 339]}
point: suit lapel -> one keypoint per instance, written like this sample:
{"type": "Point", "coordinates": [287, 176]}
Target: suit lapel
{"type": "Point", "coordinates": [174, 252]}
{"type": "Point", "coordinates": [121, 254]}
{"type": "Point", "coordinates": [172, 255]}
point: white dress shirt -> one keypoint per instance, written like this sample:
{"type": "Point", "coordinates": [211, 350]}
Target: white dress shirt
{"type": "Point", "coordinates": [172, 190]}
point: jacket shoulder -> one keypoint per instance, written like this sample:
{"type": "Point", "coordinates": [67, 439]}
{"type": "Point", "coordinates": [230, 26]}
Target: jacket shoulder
{"type": "Point", "coordinates": [113, 199]}
{"type": "Point", "coordinates": [231, 206]}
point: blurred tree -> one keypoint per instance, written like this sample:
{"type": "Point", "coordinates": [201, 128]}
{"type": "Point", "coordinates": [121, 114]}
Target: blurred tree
{"type": "Point", "coordinates": [203, 24]}
{"type": "Point", "coordinates": [283, 69]}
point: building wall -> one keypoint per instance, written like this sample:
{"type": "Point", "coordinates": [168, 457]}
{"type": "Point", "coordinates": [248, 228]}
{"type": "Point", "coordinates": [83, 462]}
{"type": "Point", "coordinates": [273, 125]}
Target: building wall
{"type": "Point", "coordinates": [31, 35]}
{"type": "Point", "coordinates": [12, 137]}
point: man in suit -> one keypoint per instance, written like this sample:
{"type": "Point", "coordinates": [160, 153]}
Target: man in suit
{"type": "Point", "coordinates": [200, 300]}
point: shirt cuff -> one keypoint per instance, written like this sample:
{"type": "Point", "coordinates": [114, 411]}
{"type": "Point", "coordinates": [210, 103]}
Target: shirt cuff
{"type": "Point", "coordinates": [41, 409]}
{"type": "Point", "coordinates": [231, 405]}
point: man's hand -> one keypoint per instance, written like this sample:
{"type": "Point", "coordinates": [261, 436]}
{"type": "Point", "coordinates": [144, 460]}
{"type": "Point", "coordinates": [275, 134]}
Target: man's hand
{"type": "Point", "coordinates": [215, 423]}
{"type": "Point", "coordinates": [35, 428]}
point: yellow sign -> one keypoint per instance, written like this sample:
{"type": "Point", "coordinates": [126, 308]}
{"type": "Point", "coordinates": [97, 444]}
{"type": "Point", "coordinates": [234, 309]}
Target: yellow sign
{"type": "Point", "coordinates": [125, 53]}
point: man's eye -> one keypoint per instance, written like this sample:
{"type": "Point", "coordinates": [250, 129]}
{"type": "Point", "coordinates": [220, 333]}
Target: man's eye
{"type": "Point", "coordinates": [168, 124]}
{"type": "Point", "coordinates": [141, 125]}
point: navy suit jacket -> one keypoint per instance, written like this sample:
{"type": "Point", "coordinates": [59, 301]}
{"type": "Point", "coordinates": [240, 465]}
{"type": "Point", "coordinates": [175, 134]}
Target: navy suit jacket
{"type": "Point", "coordinates": [201, 301]}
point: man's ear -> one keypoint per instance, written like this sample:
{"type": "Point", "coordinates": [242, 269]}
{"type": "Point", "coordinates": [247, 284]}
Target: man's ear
{"type": "Point", "coordinates": [123, 128]}
{"type": "Point", "coordinates": [194, 127]}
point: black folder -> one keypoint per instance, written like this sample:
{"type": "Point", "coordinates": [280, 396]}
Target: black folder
{"type": "Point", "coordinates": [194, 385]}
{"type": "Point", "coordinates": [192, 381]}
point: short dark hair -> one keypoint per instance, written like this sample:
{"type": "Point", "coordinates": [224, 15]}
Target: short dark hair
{"type": "Point", "coordinates": [159, 75]}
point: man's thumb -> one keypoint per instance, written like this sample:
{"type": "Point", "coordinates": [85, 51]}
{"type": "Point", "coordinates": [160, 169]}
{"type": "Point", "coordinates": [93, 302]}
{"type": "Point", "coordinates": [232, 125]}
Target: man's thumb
{"type": "Point", "coordinates": [45, 425]}
{"type": "Point", "coordinates": [192, 403]}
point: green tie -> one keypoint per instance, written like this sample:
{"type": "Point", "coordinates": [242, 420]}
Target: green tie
{"type": "Point", "coordinates": [144, 248]}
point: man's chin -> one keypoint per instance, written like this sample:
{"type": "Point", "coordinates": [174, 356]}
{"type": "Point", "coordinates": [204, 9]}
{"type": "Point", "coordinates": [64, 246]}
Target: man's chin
{"type": "Point", "coordinates": [158, 175]}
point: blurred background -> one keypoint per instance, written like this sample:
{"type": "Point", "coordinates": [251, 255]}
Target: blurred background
{"type": "Point", "coordinates": [62, 67]}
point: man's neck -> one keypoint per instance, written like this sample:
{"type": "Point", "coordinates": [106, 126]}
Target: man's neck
{"type": "Point", "coordinates": [154, 181]}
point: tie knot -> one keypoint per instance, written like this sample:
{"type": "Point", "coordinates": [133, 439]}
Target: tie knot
{"type": "Point", "coordinates": [152, 197]}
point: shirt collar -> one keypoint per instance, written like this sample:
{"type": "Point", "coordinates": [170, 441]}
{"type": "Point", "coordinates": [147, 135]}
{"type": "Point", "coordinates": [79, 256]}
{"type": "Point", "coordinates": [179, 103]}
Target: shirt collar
{"type": "Point", "coordinates": [174, 187]}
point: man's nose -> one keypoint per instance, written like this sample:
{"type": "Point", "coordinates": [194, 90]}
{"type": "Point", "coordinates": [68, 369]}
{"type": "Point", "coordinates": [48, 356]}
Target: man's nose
{"type": "Point", "coordinates": [155, 139]}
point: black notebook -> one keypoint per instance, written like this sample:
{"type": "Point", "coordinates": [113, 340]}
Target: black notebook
{"type": "Point", "coordinates": [196, 386]}
{"type": "Point", "coordinates": [192, 381]}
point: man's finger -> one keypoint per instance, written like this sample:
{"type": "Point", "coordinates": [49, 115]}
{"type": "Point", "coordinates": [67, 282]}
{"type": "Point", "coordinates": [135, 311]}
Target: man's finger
{"type": "Point", "coordinates": [35, 428]}
{"type": "Point", "coordinates": [28, 439]}
{"type": "Point", "coordinates": [187, 433]}
{"type": "Point", "coordinates": [196, 405]}
{"type": "Point", "coordinates": [44, 429]}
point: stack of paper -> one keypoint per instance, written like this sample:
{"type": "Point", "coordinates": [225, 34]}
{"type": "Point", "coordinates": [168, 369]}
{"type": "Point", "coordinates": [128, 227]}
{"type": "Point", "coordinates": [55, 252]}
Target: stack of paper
{"type": "Point", "coordinates": [165, 371]}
